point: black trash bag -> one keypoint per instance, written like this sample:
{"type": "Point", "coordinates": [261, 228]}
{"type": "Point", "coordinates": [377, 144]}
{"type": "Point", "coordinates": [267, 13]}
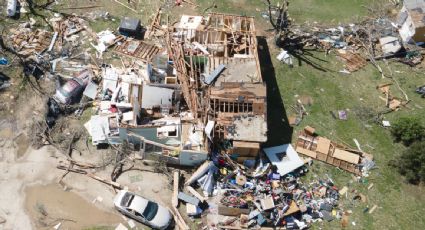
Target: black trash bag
{"type": "Point", "coordinates": [53, 112]}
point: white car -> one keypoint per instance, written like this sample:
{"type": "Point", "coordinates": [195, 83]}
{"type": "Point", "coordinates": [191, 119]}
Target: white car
{"type": "Point", "coordinates": [142, 210]}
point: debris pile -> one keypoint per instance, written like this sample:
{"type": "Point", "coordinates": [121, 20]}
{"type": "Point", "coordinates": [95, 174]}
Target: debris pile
{"type": "Point", "coordinates": [278, 201]}
{"type": "Point", "coordinates": [272, 194]}
{"type": "Point", "coordinates": [29, 43]}
{"type": "Point", "coordinates": [372, 39]}
{"type": "Point", "coordinates": [390, 101]}
{"type": "Point", "coordinates": [193, 94]}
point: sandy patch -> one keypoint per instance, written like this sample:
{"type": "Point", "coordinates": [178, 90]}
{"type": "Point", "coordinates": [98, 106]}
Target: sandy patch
{"type": "Point", "coordinates": [50, 204]}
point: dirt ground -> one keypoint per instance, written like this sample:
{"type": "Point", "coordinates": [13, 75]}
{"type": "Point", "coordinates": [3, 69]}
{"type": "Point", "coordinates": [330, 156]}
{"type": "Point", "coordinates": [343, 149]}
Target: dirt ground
{"type": "Point", "coordinates": [29, 177]}
{"type": "Point", "coordinates": [30, 195]}
{"type": "Point", "coordinates": [49, 205]}
{"type": "Point", "coordinates": [30, 182]}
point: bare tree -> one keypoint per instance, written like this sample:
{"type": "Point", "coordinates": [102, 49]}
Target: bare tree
{"type": "Point", "coordinates": [278, 17]}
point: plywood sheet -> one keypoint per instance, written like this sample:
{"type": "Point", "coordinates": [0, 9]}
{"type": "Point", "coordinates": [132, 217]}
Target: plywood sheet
{"type": "Point", "coordinates": [227, 211]}
{"type": "Point", "coordinates": [346, 156]}
{"type": "Point", "coordinates": [323, 145]}
{"type": "Point", "coordinates": [307, 152]}
{"type": "Point", "coordinates": [246, 149]}
{"type": "Point", "coordinates": [244, 144]}
{"type": "Point", "coordinates": [293, 208]}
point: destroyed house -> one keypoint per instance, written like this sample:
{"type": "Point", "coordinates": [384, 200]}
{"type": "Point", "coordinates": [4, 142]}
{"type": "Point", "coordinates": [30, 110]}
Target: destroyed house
{"type": "Point", "coordinates": [411, 20]}
{"type": "Point", "coordinates": [178, 103]}
{"type": "Point", "coordinates": [134, 106]}
{"type": "Point", "coordinates": [218, 69]}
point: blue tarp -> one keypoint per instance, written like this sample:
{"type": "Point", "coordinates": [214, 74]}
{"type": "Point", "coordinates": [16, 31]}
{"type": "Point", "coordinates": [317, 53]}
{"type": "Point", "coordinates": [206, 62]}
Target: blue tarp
{"type": "Point", "coordinates": [3, 61]}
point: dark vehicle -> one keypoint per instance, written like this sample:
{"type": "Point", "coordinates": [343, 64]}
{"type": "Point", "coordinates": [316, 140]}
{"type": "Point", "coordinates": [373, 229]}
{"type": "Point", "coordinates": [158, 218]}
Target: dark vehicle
{"type": "Point", "coordinates": [72, 89]}
{"type": "Point", "coordinates": [4, 81]}
{"type": "Point", "coordinates": [421, 90]}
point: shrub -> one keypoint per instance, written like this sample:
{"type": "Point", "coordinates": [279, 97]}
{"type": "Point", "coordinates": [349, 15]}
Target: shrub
{"type": "Point", "coordinates": [408, 130]}
{"type": "Point", "coordinates": [411, 163]}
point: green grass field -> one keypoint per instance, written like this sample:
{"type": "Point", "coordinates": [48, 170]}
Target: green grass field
{"type": "Point", "coordinates": [400, 205]}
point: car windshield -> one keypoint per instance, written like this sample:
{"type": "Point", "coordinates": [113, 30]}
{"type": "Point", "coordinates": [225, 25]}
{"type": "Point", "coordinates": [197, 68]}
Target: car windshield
{"type": "Point", "coordinates": [150, 210]}
{"type": "Point", "coordinates": [127, 199]}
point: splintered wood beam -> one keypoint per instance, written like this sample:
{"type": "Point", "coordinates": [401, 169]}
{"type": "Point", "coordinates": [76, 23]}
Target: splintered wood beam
{"type": "Point", "coordinates": [174, 199]}
{"type": "Point", "coordinates": [179, 219]}
{"type": "Point", "coordinates": [196, 194]}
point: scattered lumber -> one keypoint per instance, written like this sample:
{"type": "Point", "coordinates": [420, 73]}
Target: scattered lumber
{"type": "Point", "coordinates": [174, 199]}
{"type": "Point", "coordinates": [196, 194]}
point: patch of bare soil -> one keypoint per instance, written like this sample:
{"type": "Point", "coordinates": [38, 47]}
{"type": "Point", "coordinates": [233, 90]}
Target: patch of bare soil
{"type": "Point", "coordinates": [23, 144]}
{"type": "Point", "coordinates": [49, 205]}
{"type": "Point", "coordinates": [152, 186]}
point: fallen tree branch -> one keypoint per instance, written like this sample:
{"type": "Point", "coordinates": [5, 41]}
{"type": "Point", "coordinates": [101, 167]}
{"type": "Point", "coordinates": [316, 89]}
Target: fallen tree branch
{"type": "Point", "coordinates": [81, 7]}
{"type": "Point", "coordinates": [98, 178]}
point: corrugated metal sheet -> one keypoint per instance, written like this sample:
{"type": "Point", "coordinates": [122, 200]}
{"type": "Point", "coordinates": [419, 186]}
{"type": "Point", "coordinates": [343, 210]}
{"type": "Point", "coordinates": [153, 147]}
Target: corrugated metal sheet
{"type": "Point", "coordinates": [209, 79]}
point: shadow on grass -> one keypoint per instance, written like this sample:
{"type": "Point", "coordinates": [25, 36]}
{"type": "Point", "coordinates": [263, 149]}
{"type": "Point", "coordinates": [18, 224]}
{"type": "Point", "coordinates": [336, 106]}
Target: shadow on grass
{"type": "Point", "coordinates": [296, 47]}
{"type": "Point", "coordinates": [279, 131]}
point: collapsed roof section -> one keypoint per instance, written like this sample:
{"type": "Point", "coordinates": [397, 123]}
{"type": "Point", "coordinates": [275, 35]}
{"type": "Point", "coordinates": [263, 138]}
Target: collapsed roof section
{"type": "Point", "coordinates": [133, 107]}
{"type": "Point", "coordinates": [217, 66]}
{"type": "Point", "coordinates": [205, 88]}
